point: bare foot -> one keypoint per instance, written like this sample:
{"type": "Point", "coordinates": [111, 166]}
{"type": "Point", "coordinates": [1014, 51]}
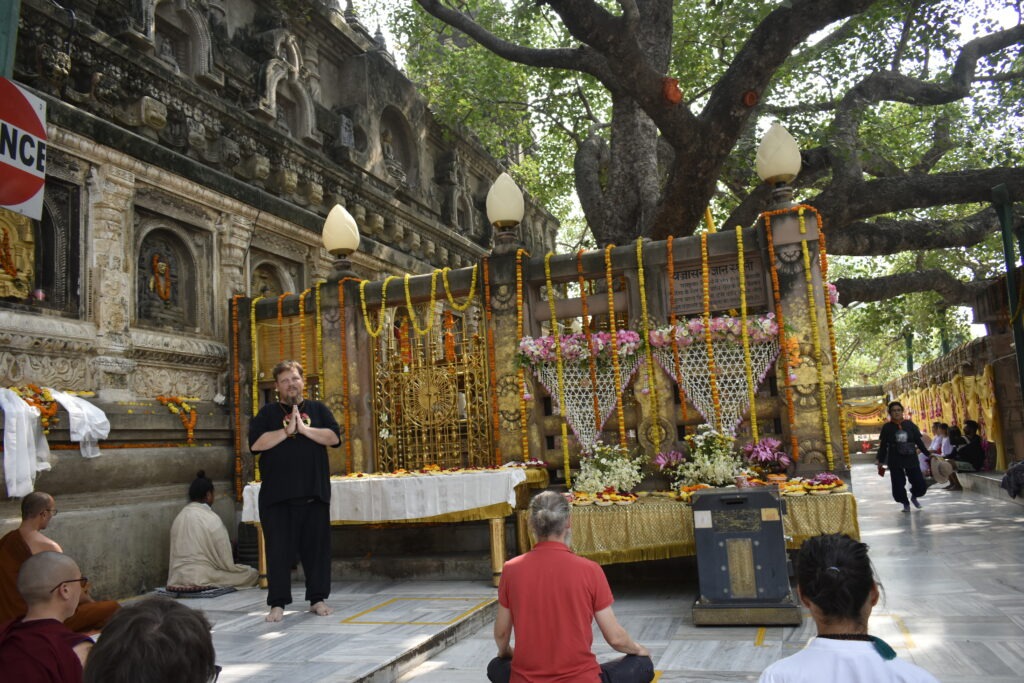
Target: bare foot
{"type": "Point", "coordinates": [320, 609]}
{"type": "Point", "coordinates": [276, 614]}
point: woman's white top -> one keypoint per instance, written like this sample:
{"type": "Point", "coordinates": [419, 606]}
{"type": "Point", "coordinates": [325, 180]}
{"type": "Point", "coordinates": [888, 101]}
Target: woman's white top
{"type": "Point", "coordinates": [843, 661]}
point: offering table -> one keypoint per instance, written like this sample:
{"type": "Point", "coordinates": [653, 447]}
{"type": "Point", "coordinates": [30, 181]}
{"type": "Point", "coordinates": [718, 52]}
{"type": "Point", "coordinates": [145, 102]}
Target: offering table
{"type": "Point", "coordinates": [414, 499]}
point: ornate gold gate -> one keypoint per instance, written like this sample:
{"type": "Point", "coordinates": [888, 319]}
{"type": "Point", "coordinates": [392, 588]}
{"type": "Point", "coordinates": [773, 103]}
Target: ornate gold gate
{"type": "Point", "coordinates": [431, 398]}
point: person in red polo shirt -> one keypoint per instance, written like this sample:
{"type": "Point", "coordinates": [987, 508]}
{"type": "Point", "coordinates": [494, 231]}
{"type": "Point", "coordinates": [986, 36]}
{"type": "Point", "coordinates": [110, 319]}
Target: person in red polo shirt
{"type": "Point", "coordinates": [550, 598]}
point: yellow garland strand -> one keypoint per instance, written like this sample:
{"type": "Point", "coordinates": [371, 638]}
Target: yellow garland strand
{"type": "Point", "coordinates": [448, 292]}
{"type": "Point", "coordinates": [420, 331]}
{"type": "Point", "coordinates": [620, 414]}
{"type": "Point", "coordinates": [670, 267]}
{"type": "Point", "coordinates": [383, 305]}
{"type": "Point", "coordinates": [559, 367]}
{"type": "Point", "coordinates": [236, 396]}
{"type": "Point", "coordinates": [712, 369]}
{"type": "Point", "coordinates": [492, 373]}
{"type": "Point", "coordinates": [646, 325]}
{"type": "Point", "coordinates": [817, 353]}
{"type": "Point", "coordinates": [751, 395]}
{"type": "Point", "coordinates": [319, 350]}
{"type": "Point", "coordinates": [302, 329]}
{"type": "Point", "coordinates": [524, 431]}
{"type": "Point", "coordinates": [255, 356]}
{"type": "Point", "coordinates": [823, 263]}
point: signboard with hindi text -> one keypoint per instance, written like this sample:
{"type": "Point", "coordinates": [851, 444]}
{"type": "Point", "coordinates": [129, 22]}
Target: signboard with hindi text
{"type": "Point", "coordinates": [723, 285]}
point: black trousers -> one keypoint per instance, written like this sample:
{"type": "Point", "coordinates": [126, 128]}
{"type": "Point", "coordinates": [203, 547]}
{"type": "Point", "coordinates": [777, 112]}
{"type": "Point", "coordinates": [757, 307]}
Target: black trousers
{"type": "Point", "coordinates": [297, 527]}
{"type": "Point", "coordinates": [627, 669]}
{"type": "Point", "coordinates": [898, 477]}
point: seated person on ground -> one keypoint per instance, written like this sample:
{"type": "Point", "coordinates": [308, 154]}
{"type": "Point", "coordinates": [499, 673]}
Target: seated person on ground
{"type": "Point", "coordinates": [836, 582]}
{"type": "Point", "coordinates": [37, 510]}
{"type": "Point", "coordinates": [155, 640]}
{"type": "Point", "coordinates": [200, 547]}
{"type": "Point", "coordinates": [970, 456]}
{"type": "Point", "coordinates": [38, 646]}
{"type": "Point", "coordinates": [550, 598]}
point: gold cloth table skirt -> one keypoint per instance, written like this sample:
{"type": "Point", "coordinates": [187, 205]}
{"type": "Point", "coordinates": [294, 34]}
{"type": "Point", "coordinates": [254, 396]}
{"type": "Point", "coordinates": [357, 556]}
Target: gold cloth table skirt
{"type": "Point", "coordinates": [660, 528]}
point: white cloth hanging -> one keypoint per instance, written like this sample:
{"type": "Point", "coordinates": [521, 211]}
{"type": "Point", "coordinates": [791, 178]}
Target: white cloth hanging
{"type": "Point", "coordinates": [26, 451]}
{"type": "Point", "coordinates": [87, 423]}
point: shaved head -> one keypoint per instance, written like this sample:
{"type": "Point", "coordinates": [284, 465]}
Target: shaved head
{"type": "Point", "coordinates": [34, 503]}
{"type": "Point", "coordinates": [41, 572]}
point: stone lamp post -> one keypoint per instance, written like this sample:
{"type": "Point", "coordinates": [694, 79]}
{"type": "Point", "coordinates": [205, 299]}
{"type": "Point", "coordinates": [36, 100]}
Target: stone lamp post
{"type": "Point", "coordinates": [341, 238]}
{"type": "Point", "coordinates": [505, 208]}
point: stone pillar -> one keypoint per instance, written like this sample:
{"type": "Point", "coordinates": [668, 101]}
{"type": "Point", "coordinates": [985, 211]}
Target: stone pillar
{"type": "Point", "coordinates": [234, 233]}
{"type": "Point", "coordinates": [110, 266]}
{"type": "Point", "coordinates": [809, 426]}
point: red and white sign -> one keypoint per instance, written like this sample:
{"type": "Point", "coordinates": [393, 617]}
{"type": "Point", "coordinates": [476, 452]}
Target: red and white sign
{"type": "Point", "coordinates": [22, 150]}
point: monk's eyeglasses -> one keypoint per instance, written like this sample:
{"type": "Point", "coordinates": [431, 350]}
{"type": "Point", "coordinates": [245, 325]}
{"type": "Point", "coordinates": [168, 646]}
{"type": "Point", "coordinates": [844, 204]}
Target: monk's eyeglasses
{"type": "Point", "coordinates": [84, 580]}
{"type": "Point", "coordinates": [53, 512]}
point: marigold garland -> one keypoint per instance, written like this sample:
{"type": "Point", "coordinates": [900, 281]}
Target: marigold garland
{"type": "Point", "coordinates": [448, 291]}
{"type": "Point", "coordinates": [751, 394]}
{"type": "Point", "coordinates": [492, 373]}
{"type": "Point", "coordinates": [783, 357]}
{"type": "Point", "coordinates": [236, 395]}
{"type": "Point", "coordinates": [670, 263]}
{"type": "Point", "coordinates": [705, 268]}
{"type": "Point", "coordinates": [253, 342]}
{"type": "Point", "coordinates": [524, 431]}
{"type": "Point", "coordinates": [280, 325]}
{"type": "Point", "coordinates": [449, 337]}
{"type": "Point", "coordinates": [383, 305]}
{"type": "Point", "coordinates": [816, 337]}
{"type": "Point", "coordinates": [559, 368]}
{"type": "Point", "coordinates": [420, 331]}
{"type": "Point", "coordinates": [318, 322]}
{"type": "Point", "coordinates": [592, 358]}
{"type": "Point", "coordinates": [823, 263]}
{"type": "Point", "coordinates": [346, 390]}
{"type": "Point", "coordinates": [620, 414]}
{"type": "Point", "coordinates": [302, 329]}
{"type": "Point", "coordinates": [42, 400]}
{"type": "Point", "coordinates": [652, 387]}
{"type": "Point", "coordinates": [180, 406]}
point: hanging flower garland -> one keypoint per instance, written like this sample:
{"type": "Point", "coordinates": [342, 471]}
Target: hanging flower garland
{"type": "Point", "coordinates": [670, 263]}
{"type": "Point", "coordinates": [42, 400]}
{"type": "Point", "coordinates": [492, 373]}
{"type": "Point", "coordinates": [374, 333]}
{"type": "Point", "coordinates": [254, 351]}
{"type": "Point", "coordinates": [448, 291]}
{"type": "Point", "coordinates": [280, 325]}
{"type": "Point", "coordinates": [746, 335]}
{"type": "Point", "coordinates": [449, 337]}
{"type": "Point", "coordinates": [783, 341]}
{"type": "Point", "coordinates": [524, 433]}
{"type": "Point", "coordinates": [816, 337]}
{"type": "Point", "coordinates": [346, 390]}
{"type": "Point", "coordinates": [592, 359]}
{"type": "Point", "coordinates": [823, 262]}
{"type": "Point", "coordinates": [652, 387]}
{"type": "Point", "coordinates": [560, 368]}
{"type": "Point", "coordinates": [180, 406]}
{"type": "Point", "coordinates": [712, 370]}
{"type": "Point", "coordinates": [420, 331]}
{"type": "Point", "coordinates": [614, 343]}
{"type": "Point", "coordinates": [318, 322]}
{"type": "Point", "coordinates": [302, 329]}
{"type": "Point", "coordinates": [236, 395]}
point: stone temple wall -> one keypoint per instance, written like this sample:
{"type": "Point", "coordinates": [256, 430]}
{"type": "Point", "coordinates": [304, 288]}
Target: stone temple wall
{"type": "Point", "coordinates": [194, 151]}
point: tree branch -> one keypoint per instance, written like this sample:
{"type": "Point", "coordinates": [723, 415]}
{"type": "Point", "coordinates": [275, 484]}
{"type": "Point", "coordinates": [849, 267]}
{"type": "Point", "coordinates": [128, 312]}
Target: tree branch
{"type": "Point", "coordinates": [953, 291]}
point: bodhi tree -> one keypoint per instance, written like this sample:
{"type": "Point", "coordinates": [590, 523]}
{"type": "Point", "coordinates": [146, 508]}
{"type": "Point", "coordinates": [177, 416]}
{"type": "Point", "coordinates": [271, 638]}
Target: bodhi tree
{"type": "Point", "coordinates": [908, 113]}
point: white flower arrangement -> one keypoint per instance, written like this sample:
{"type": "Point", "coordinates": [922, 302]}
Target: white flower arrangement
{"type": "Point", "coordinates": [608, 467]}
{"type": "Point", "coordinates": [712, 460]}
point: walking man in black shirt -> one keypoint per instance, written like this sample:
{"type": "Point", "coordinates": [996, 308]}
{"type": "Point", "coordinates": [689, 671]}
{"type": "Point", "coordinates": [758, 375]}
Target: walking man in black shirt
{"type": "Point", "coordinates": [897, 448]}
{"type": "Point", "coordinates": [292, 436]}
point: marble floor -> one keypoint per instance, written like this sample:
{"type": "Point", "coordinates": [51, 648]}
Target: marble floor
{"type": "Point", "coordinates": [953, 603]}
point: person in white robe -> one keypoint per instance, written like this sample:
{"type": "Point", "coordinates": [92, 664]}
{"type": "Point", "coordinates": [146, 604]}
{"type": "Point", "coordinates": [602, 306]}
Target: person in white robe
{"type": "Point", "coordinates": [200, 547]}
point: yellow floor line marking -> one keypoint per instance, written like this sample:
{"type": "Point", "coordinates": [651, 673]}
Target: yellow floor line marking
{"type": "Point", "coordinates": [905, 631]}
{"type": "Point", "coordinates": [657, 675]}
{"type": "Point", "coordinates": [352, 619]}
{"type": "Point", "coordinates": [759, 640]}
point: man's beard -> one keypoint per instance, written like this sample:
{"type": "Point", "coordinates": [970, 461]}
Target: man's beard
{"type": "Point", "coordinates": [292, 399]}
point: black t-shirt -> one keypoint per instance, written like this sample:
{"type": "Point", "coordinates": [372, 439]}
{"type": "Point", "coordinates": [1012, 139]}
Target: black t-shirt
{"type": "Point", "coordinates": [898, 444]}
{"type": "Point", "coordinates": [297, 467]}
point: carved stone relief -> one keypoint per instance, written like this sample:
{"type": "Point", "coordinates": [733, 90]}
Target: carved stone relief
{"type": "Point", "coordinates": [161, 381]}
{"type": "Point", "coordinates": [52, 371]}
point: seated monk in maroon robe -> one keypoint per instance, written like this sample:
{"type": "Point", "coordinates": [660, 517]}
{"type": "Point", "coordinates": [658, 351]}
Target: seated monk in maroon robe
{"type": "Point", "coordinates": [38, 647]}
{"type": "Point", "coordinates": [37, 509]}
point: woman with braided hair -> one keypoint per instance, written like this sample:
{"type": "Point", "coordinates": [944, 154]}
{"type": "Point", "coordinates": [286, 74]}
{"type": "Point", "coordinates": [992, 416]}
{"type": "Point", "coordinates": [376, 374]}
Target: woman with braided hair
{"type": "Point", "coordinates": [836, 582]}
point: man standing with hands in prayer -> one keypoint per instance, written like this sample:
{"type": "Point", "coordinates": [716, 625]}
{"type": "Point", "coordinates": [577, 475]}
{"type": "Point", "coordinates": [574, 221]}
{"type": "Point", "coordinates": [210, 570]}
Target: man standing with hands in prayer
{"type": "Point", "coordinates": [292, 435]}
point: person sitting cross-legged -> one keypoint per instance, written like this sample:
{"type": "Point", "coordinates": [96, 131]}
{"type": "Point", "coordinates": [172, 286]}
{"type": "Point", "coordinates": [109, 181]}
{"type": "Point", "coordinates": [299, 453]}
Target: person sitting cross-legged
{"type": "Point", "coordinates": [39, 648]}
{"type": "Point", "coordinates": [550, 597]}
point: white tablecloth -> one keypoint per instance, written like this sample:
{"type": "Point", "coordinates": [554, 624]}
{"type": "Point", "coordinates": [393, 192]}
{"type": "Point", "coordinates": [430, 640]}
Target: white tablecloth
{"type": "Point", "coordinates": [384, 499]}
